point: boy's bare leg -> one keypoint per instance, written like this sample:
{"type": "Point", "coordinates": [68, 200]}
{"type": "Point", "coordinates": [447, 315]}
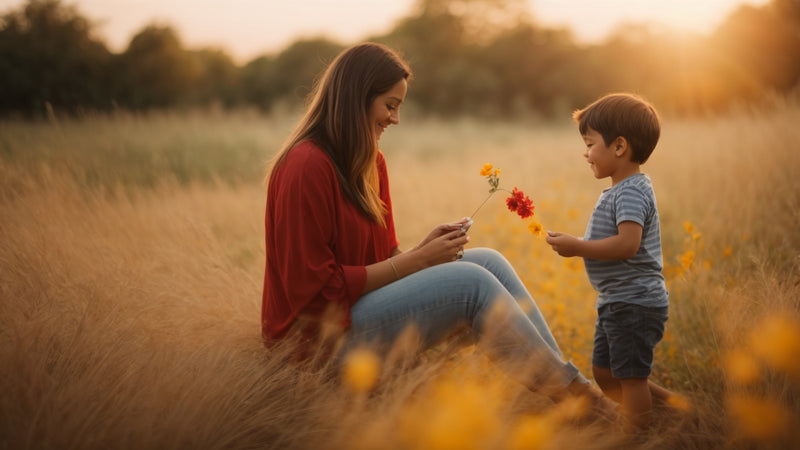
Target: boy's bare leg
{"type": "Point", "coordinates": [607, 383]}
{"type": "Point", "coordinates": [636, 400]}
{"type": "Point", "coordinates": [612, 388]}
{"type": "Point", "coordinates": [660, 394]}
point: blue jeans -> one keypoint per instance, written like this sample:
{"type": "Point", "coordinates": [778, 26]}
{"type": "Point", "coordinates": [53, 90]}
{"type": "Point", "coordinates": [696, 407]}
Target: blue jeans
{"type": "Point", "coordinates": [481, 291]}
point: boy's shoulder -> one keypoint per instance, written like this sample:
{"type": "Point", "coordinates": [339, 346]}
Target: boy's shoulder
{"type": "Point", "coordinates": [639, 182]}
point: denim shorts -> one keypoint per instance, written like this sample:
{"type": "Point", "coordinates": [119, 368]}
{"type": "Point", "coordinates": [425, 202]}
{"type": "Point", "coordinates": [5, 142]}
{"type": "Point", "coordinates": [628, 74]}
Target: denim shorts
{"type": "Point", "coordinates": [625, 338]}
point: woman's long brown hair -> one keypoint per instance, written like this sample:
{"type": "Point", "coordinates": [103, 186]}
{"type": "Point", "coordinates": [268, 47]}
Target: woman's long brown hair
{"type": "Point", "coordinates": [337, 120]}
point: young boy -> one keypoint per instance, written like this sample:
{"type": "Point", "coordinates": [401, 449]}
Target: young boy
{"type": "Point", "coordinates": [622, 251]}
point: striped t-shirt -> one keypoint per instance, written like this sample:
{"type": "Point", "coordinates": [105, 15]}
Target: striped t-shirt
{"type": "Point", "coordinates": [636, 280]}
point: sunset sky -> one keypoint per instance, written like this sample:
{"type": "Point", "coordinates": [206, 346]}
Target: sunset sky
{"type": "Point", "coordinates": [247, 28]}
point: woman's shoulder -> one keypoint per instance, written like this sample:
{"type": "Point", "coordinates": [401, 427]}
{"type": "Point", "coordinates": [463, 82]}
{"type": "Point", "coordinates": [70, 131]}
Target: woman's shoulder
{"type": "Point", "coordinates": [308, 156]}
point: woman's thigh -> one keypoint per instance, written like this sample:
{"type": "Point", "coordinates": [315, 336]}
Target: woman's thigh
{"type": "Point", "coordinates": [435, 301]}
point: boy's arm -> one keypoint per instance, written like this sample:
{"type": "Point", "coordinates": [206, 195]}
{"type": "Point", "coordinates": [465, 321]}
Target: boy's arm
{"type": "Point", "coordinates": [623, 245]}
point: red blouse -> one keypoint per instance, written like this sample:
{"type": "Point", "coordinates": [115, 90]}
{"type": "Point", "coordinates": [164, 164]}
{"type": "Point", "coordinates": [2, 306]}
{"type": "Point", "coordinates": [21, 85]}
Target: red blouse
{"type": "Point", "coordinates": [317, 241]}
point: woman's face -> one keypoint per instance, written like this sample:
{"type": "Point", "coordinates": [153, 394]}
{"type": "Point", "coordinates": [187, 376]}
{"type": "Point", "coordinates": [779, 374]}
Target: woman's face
{"type": "Point", "coordinates": [385, 109]}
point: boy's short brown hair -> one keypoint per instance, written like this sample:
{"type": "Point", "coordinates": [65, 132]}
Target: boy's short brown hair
{"type": "Point", "coordinates": [625, 115]}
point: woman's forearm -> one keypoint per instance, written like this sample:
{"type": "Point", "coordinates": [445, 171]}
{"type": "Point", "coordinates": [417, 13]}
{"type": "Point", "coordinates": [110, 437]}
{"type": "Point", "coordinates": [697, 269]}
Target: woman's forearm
{"type": "Point", "coordinates": [399, 265]}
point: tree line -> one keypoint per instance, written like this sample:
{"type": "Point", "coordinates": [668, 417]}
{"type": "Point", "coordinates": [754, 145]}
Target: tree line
{"type": "Point", "coordinates": [479, 57]}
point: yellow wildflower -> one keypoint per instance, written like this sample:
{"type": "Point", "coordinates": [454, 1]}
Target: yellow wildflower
{"type": "Point", "coordinates": [776, 340]}
{"type": "Point", "coordinates": [536, 228]}
{"type": "Point", "coordinates": [361, 370]}
{"type": "Point", "coordinates": [458, 412]}
{"type": "Point", "coordinates": [573, 213]}
{"type": "Point", "coordinates": [531, 432]}
{"type": "Point", "coordinates": [759, 419]}
{"type": "Point", "coordinates": [688, 227]}
{"type": "Point", "coordinates": [727, 252]}
{"type": "Point", "coordinates": [742, 368]}
{"type": "Point", "coordinates": [687, 259]}
{"type": "Point", "coordinates": [679, 402]}
{"type": "Point", "coordinates": [487, 170]}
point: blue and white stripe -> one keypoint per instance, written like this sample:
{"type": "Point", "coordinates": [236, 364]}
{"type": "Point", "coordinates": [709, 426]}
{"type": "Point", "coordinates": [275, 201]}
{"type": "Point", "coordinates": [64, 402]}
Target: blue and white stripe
{"type": "Point", "coordinates": [639, 279]}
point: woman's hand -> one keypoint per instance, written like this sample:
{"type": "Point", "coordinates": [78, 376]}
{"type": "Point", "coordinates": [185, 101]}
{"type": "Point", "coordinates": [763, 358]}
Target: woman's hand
{"type": "Point", "coordinates": [444, 248]}
{"type": "Point", "coordinates": [445, 228]}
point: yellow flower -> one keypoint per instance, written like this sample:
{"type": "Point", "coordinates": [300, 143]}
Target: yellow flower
{"type": "Point", "coordinates": [532, 432]}
{"type": "Point", "coordinates": [573, 213]}
{"type": "Point", "coordinates": [688, 227]}
{"type": "Point", "coordinates": [536, 228]}
{"type": "Point", "coordinates": [459, 411]}
{"type": "Point", "coordinates": [727, 252]}
{"type": "Point", "coordinates": [487, 170]}
{"type": "Point", "coordinates": [361, 370]}
{"type": "Point", "coordinates": [759, 419]}
{"type": "Point", "coordinates": [687, 259]}
{"type": "Point", "coordinates": [679, 402]}
{"type": "Point", "coordinates": [742, 368]}
{"type": "Point", "coordinates": [776, 340]}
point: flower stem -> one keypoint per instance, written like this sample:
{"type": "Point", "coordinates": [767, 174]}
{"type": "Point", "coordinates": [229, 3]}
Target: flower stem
{"type": "Point", "coordinates": [481, 206]}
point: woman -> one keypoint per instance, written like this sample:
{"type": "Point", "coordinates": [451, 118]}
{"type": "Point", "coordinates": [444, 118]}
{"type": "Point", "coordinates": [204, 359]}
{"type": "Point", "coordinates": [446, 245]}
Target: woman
{"type": "Point", "coordinates": [333, 256]}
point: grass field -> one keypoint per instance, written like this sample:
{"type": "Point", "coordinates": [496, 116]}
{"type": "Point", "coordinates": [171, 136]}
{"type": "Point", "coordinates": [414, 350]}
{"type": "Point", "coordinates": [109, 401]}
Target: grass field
{"type": "Point", "coordinates": [132, 261]}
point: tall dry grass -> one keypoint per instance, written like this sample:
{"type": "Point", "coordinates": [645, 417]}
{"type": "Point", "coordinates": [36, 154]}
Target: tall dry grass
{"type": "Point", "coordinates": [131, 269]}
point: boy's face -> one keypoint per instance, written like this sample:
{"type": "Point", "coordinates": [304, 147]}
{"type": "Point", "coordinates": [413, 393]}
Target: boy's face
{"type": "Point", "coordinates": [600, 157]}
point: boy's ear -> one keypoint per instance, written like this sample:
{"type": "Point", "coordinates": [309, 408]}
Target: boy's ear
{"type": "Point", "coordinates": [620, 146]}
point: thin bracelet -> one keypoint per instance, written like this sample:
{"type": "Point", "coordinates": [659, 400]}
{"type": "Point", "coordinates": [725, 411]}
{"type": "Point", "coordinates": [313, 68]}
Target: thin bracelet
{"type": "Point", "coordinates": [396, 273]}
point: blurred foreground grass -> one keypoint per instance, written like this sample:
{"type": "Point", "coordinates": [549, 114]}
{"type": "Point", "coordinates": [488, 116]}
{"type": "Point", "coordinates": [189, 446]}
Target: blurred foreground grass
{"type": "Point", "coordinates": [132, 263]}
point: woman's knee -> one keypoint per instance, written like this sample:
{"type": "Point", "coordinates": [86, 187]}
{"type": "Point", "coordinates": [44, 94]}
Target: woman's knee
{"type": "Point", "coordinates": [488, 258]}
{"type": "Point", "coordinates": [485, 254]}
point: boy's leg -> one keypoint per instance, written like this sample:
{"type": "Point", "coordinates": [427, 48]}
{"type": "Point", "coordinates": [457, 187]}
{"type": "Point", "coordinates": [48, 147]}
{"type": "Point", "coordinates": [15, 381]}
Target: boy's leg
{"type": "Point", "coordinates": [660, 394]}
{"type": "Point", "coordinates": [630, 333]}
{"type": "Point", "coordinates": [636, 400]}
{"type": "Point", "coordinates": [601, 359]}
{"type": "Point", "coordinates": [608, 384]}
{"type": "Point", "coordinates": [612, 388]}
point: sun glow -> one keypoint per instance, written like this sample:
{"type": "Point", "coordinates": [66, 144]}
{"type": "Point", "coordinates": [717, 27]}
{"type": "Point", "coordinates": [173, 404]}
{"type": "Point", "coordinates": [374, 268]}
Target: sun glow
{"type": "Point", "coordinates": [247, 28]}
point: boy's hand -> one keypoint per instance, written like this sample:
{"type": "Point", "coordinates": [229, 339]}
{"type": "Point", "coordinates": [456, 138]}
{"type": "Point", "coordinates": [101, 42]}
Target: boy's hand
{"type": "Point", "coordinates": [564, 244]}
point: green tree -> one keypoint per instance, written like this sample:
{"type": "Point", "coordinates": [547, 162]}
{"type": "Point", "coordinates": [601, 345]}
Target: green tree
{"type": "Point", "coordinates": [765, 42]}
{"type": "Point", "coordinates": [216, 78]}
{"type": "Point", "coordinates": [49, 59]}
{"type": "Point", "coordinates": [538, 69]}
{"type": "Point", "coordinates": [155, 70]}
{"type": "Point", "coordinates": [436, 46]}
{"type": "Point", "coordinates": [289, 77]}
{"type": "Point", "coordinates": [255, 83]}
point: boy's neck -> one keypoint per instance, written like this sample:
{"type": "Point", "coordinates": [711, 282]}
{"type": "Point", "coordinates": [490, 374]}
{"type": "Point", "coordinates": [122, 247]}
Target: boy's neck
{"type": "Point", "coordinates": [624, 171]}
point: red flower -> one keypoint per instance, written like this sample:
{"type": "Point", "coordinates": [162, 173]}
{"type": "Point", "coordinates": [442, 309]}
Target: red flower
{"type": "Point", "coordinates": [520, 204]}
